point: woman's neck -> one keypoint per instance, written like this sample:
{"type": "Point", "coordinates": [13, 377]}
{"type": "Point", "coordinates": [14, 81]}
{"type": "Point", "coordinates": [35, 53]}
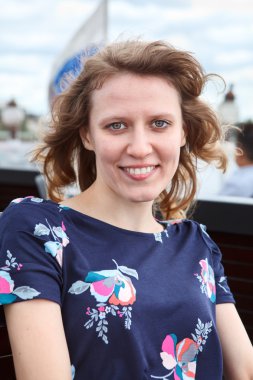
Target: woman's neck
{"type": "Point", "coordinates": [134, 216]}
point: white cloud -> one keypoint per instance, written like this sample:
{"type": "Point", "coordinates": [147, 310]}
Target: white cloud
{"type": "Point", "coordinates": [13, 11]}
{"type": "Point", "coordinates": [223, 5]}
{"type": "Point", "coordinates": [29, 91]}
{"type": "Point", "coordinates": [239, 75]}
{"type": "Point", "coordinates": [233, 58]}
{"type": "Point", "coordinates": [28, 64]}
{"type": "Point", "coordinates": [156, 20]}
{"type": "Point", "coordinates": [235, 33]}
{"type": "Point", "coordinates": [33, 33]}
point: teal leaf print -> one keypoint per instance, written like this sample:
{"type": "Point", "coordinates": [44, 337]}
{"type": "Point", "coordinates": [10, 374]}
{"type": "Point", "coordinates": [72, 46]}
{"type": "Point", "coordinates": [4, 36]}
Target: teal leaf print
{"type": "Point", "coordinates": [36, 200]}
{"type": "Point", "coordinates": [79, 287]}
{"type": "Point", "coordinates": [129, 271]}
{"type": "Point", "coordinates": [126, 312]}
{"type": "Point", "coordinates": [102, 329]}
{"type": "Point", "coordinates": [203, 228]}
{"type": "Point", "coordinates": [58, 240]}
{"type": "Point", "coordinates": [53, 247]}
{"type": "Point", "coordinates": [61, 207]}
{"type": "Point", "coordinates": [41, 229]}
{"type": "Point", "coordinates": [158, 236]}
{"type": "Point", "coordinates": [223, 279]}
{"type": "Point", "coordinates": [73, 372]}
{"type": "Point", "coordinates": [58, 231]}
{"type": "Point", "coordinates": [9, 255]}
{"type": "Point", "coordinates": [25, 292]}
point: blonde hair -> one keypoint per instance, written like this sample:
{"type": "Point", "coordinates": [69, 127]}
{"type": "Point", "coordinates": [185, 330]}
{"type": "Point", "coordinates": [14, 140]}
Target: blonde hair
{"type": "Point", "coordinates": [66, 161]}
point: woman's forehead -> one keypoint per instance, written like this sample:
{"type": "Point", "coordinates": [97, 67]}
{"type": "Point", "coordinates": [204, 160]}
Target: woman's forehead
{"type": "Point", "coordinates": [122, 85]}
{"type": "Point", "coordinates": [134, 96]}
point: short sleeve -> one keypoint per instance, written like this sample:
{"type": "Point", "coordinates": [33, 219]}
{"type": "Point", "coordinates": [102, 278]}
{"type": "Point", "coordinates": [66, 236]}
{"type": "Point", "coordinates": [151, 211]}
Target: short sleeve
{"type": "Point", "coordinates": [223, 292]}
{"type": "Point", "coordinates": [29, 246]}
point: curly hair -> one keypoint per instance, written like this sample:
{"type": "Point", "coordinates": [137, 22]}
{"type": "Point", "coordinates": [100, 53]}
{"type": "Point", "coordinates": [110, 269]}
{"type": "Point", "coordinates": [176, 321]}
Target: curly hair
{"type": "Point", "coordinates": [65, 159]}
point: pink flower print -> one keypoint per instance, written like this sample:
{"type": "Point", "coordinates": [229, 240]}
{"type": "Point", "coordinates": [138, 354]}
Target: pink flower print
{"type": "Point", "coordinates": [180, 358]}
{"type": "Point", "coordinates": [6, 283]}
{"type": "Point", "coordinates": [111, 286]}
{"type": "Point", "coordinates": [6, 288]}
{"type": "Point", "coordinates": [187, 351]}
{"type": "Point", "coordinates": [124, 292]}
{"type": "Point", "coordinates": [19, 266]}
{"type": "Point", "coordinates": [17, 200]}
{"type": "Point", "coordinates": [5, 278]}
{"type": "Point", "coordinates": [101, 286]}
{"type": "Point", "coordinates": [102, 312]}
{"type": "Point", "coordinates": [208, 280]}
{"type": "Point", "coordinates": [31, 197]}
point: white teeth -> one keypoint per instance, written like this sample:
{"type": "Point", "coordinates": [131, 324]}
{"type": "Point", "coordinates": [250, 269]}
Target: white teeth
{"type": "Point", "coordinates": [138, 171]}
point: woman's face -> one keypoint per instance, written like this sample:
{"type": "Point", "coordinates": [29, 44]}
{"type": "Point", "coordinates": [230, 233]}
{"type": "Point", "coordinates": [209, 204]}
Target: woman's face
{"type": "Point", "coordinates": [136, 131]}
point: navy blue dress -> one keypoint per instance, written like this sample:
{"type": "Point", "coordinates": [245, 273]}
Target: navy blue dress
{"type": "Point", "coordinates": [135, 305]}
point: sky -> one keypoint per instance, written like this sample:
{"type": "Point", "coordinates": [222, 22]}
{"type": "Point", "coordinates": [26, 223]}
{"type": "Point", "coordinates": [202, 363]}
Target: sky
{"type": "Point", "coordinates": [34, 32]}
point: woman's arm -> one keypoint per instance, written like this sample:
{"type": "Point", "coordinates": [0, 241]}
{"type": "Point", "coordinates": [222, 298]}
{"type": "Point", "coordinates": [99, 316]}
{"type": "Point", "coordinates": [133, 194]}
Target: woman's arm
{"type": "Point", "coordinates": [236, 346]}
{"type": "Point", "coordinates": [38, 341]}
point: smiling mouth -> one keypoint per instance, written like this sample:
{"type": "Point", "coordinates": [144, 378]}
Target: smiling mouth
{"type": "Point", "coordinates": [140, 171]}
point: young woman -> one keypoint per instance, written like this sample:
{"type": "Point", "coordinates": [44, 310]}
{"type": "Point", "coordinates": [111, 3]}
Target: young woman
{"type": "Point", "coordinates": [108, 291]}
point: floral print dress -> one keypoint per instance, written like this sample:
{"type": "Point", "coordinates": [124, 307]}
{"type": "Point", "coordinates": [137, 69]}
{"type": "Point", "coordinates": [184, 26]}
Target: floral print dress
{"type": "Point", "coordinates": [135, 305]}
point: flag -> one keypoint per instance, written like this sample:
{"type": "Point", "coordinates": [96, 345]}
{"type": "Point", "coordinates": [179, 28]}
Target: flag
{"type": "Point", "coordinates": [86, 42]}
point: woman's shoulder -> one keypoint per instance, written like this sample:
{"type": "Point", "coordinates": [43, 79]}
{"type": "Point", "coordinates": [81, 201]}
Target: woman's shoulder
{"type": "Point", "coordinates": [184, 225]}
{"type": "Point", "coordinates": [23, 210]}
{"type": "Point", "coordinates": [191, 229]}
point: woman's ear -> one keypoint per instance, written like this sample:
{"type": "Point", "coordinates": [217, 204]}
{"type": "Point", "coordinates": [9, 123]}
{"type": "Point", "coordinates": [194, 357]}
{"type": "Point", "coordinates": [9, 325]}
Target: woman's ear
{"type": "Point", "coordinates": [86, 139]}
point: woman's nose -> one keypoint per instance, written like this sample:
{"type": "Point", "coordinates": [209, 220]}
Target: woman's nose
{"type": "Point", "coordinates": [139, 144]}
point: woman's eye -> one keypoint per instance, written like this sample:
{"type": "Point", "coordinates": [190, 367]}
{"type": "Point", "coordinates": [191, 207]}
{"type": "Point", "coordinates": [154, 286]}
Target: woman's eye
{"type": "Point", "coordinates": [160, 123]}
{"type": "Point", "coordinates": [117, 126]}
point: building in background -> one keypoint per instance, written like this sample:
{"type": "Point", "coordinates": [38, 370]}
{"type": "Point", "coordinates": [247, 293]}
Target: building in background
{"type": "Point", "coordinates": [210, 178]}
{"type": "Point", "coordinates": [12, 117]}
{"type": "Point", "coordinates": [228, 110]}
{"type": "Point", "coordinates": [18, 136]}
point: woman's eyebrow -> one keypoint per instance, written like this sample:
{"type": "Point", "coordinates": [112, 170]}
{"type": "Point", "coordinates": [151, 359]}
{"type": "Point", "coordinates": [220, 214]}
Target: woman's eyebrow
{"type": "Point", "coordinates": [120, 116]}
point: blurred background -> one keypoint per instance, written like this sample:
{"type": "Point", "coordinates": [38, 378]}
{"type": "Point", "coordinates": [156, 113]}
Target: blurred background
{"type": "Point", "coordinates": [39, 38]}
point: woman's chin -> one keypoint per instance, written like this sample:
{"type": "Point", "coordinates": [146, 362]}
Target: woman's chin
{"type": "Point", "coordinates": [145, 197]}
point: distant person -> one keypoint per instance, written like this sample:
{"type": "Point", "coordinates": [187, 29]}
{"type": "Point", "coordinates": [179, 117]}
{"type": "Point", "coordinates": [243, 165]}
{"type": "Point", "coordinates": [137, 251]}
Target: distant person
{"type": "Point", "coordinates": [240, 181]}
{"type": "Point", "coordinates": [95, 286]}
